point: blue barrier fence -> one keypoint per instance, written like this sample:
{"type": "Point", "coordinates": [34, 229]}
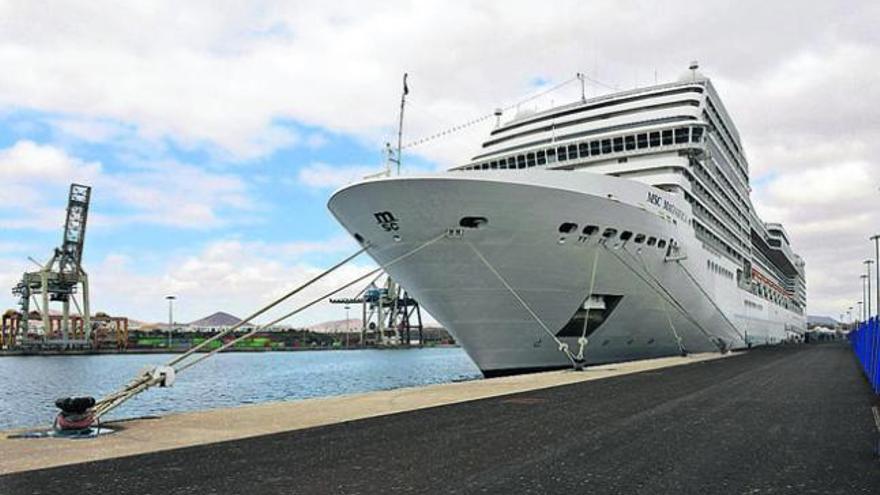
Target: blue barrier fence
{"type": "Point", "coordinates": [866, 344]}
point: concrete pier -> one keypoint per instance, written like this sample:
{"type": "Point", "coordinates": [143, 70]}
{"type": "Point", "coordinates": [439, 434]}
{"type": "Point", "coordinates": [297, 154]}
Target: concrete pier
{"type": "Point", "coordinates": [786, 419]}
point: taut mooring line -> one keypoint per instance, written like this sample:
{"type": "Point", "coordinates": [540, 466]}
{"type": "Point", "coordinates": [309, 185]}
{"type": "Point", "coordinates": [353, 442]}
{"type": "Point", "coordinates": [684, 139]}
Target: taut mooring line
{"type": "Point", "coordinates": [161, 375]}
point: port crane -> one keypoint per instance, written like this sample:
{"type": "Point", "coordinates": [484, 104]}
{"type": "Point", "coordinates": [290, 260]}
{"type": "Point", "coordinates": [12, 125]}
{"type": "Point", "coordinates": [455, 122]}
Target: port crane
{"type": "Point", "coordinates": [59, 280]}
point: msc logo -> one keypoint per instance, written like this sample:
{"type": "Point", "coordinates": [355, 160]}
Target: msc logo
{"type": "Point", "coordinates": [386, 220]}
{"type": "Point", "coordinates": [655, 199]}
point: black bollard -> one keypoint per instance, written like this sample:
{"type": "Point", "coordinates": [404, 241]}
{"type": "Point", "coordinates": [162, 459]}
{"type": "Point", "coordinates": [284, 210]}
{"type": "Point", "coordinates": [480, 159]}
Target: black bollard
{"type": "Point", "coordinates": [75, 405]}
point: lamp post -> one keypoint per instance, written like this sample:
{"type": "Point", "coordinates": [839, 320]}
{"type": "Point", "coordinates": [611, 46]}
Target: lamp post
{"type": "Point", "coordinates": [868, 311]}
{"type": "Point", "coordinates": [170, 317]}
{"type": "Point", "coordinates": [876, 239]}
{"type": "Point", "coordinates": [864, 289]}
{"type": "Point", "coordinates": [347, 325]}
{"type": "Point", "coordinates": [849, 317]}
{"type": "Point", "coordinates": [860, 312]}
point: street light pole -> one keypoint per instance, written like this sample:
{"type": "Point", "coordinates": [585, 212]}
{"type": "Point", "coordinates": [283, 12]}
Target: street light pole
{"type": "Point", "coordinates": [876, 239]}
{"type": "Point", "coordinates": [347, 325]}
{"type": "Point", "coordinates": [170, 317]}
{"type": "Point", "coordinates": [862, 310]}
{"type": "Point", "coordinates": [868, 312]}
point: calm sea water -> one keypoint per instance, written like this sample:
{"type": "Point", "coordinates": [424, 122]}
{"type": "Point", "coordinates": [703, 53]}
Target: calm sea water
{"type": "Point", "coordinates": [30, 384]}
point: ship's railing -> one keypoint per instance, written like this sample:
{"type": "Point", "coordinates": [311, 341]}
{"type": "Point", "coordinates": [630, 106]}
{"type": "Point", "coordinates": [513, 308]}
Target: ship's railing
{"type": "Point", "coordinates": [866, 344]}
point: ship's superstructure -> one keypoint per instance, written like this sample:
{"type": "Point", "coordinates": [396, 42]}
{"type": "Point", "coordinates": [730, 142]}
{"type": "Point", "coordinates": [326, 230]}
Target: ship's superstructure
{"type": "Point", "coordinates": [622, 224]}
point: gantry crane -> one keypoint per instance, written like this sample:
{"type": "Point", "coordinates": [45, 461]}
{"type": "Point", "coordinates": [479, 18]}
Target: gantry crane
{"type": "Point", "coordinates": [389, 314]}
{"type": "Point", "coordinates": [60, 279]}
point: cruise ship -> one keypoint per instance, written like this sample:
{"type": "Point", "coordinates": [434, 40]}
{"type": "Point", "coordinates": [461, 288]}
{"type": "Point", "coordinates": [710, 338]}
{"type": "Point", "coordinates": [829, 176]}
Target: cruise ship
{"type": "Point", "coordinates": [613, 228]}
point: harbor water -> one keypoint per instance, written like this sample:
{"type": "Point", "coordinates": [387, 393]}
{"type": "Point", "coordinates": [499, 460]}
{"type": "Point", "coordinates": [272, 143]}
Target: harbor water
{"type": "Point", "coordinates": [32, 383]}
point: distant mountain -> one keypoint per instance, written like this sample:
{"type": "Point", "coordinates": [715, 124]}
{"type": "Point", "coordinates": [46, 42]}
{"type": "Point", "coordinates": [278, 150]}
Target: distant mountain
{"type": "Point", "coordinates": [218, 319]}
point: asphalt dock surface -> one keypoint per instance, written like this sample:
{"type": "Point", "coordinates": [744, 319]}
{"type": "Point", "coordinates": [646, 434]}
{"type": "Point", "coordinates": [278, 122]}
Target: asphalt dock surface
{"type": "Point", "coordinates": [792, 419]}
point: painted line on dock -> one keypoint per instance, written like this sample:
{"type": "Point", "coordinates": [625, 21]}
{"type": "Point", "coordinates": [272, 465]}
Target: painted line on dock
{"type": "Point", "coordinates": [205, 427]}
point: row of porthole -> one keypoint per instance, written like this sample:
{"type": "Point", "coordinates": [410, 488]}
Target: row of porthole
{"type": "Point", "coordinates": [629, 341]}
{"type": "Point", "coordinates": [611, 232]}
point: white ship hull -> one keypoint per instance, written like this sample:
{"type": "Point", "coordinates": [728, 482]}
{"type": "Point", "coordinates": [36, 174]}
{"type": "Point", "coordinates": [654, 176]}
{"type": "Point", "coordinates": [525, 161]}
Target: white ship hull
{"type": "Point", "coordinates": [507, 288]}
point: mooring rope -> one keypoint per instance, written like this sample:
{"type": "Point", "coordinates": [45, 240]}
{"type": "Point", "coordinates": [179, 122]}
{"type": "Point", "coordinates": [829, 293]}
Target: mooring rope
{"type": "Point", "coordinates": [665, 304]}
{"type": "Point", "coordinates": [563, 347]}
{"type": "Point", "coordinates": [266, 308]}
{"type": "Point", "coordinates": [582, 341]}
{"type": "Point", "coordinates": [156, 376]}
{"type": "Point", "coordinates": [666, 294]}
{"type": "Point", "coordinates": [307, 305]}
{"type": "Point", "coordinates": [711, 300]}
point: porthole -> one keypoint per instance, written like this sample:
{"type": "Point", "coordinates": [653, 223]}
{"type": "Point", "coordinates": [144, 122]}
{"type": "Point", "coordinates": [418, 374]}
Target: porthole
{"type": "Point", "coordinates": [567, 228]}
{"type": "Point", "coordinates": [591, 230]}
{"type": "Point", "coordinates": [625, 235]}
{"type": "Point", "coordinates": [652, 241]}
{"type": "Point", "coordinates": [473, 222]}
{"type": "Point", "coordinates": [609, 233]}
{"type": "Point", "coordinates": [640, 238]}
{"type": "Point", "coordinates": [661, 244]}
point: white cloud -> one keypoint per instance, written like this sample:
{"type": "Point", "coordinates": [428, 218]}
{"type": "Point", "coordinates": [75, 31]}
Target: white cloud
{"type": "Point", "coordinates": [89, 130]}
{"type": "Point", "coordinates": [161, 193]}
{"type": "Point", "coordinates": [229, 275]}
{"type": "Point", "coordinates": [29, 161]}
{"type": "Point", "coordinates": [828, 185]}
{"type": "Point", "coordinates": [326, 176]}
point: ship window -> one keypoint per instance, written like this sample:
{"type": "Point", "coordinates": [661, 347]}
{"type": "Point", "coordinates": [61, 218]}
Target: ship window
{"type": "Point", "coordinates": [551, 152]}
{"type": "Point", "coordinates": [561, 154]}
{"type": "Point", "coordinates": [667, 137]}
{"type": "Point", "coordinates": [606, 146]}
{"type": "Point", "coordinates": [530, 159]}
{"type": "Point", "coordinates": [484, 166]}
{"type": "Point", "coordinates": [630, 142]}
{"type": "Point", "coordinates": [473, 222]}
{"type": "Point", "coordinates": [572, 151]}
{"type": "Point", "coordinates": [661, 244]}
{"type": "Point", "coordinates": [625, 235]}
{"type": "Point", "coordinates": [655, 139]}
{"type": "Point", "coordinates": [520, 161]}
{"type": "Point", "coordinates": [567, 228]}
{"type": "Point", "coordinates": [584, 150]}
{"type": "Point", "coordinates": [618, 144]}
{"type": "Point", "coordinates": [609, 233]}
{"type": "Point", "coordinates": [590, 230]}
{"type": "Point", "coordinates": [594, 148]}
{"type": "Point", "coordinates": [696, 134]}
{"type": "Point", "coordinates": [643, 140]}
{"type": "Point", "coordinates": [681, 135]}
{"type": "Point", "coordinates": [640, 238]}
{"type": "Point", "coordinates": [493, 165]}
{"type": "Point", "coordinates": [542, 159]}
{"type": "Point", "coordinates": [652, 241]}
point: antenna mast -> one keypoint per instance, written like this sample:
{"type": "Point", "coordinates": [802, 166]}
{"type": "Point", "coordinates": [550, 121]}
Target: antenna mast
{"type": "Point", "coordinates": [582, 79]}
{"type": "Point", "coordinates": [400, 122]}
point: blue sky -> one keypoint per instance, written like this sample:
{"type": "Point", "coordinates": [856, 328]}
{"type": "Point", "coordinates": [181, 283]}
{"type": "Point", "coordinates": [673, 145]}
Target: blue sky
{"type": "Point", "coordinates": [271, 200]}
{"type": "Point", "coordinates": [213, 132]}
